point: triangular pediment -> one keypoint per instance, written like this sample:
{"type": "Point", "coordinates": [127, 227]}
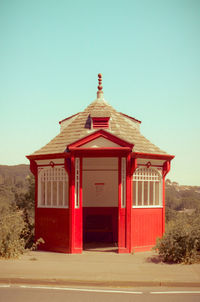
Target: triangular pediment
{"type": "Point", "coordinates": [100, 139]}
{"type": "Point", "coordinates": [100, 142]}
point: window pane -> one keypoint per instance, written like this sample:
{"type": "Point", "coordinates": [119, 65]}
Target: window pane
{"type": "Point", "coordinates": [66, 194]}
{"type": "Point", "coordinates": [55, 193]}
{"type": "Point", "coordinates": [145, 193]}
{"type": "Point", "coordinates": [149, 187]}
{"type": "Point", "coordinates": [53, 187]}
{"type": "Point", "coordinates": [42, 196]}
{"type": "Point", "coordinates": [157, 193]}
{"type": "Point", "coordinates": [48, 202]}
{"type": "Point", "coordinates": [134, 192]}
{"type": "Point", "coordinates": [77, 182]}
{"type": "Point", "coordinates": [151, 193]}
{"type": "Point", "coordinates": [139, 193]}
{"type": "Point", "coordinates": [60, 199]}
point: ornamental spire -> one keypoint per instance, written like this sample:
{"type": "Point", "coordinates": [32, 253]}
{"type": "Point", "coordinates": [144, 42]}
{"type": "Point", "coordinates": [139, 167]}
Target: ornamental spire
{"type": "Point", "coordinates": [100, 87]}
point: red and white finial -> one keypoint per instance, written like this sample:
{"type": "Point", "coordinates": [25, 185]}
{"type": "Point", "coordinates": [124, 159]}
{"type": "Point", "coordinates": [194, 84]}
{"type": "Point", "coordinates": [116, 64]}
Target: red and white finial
{"type": "Point", "coordinates": [100, 87]}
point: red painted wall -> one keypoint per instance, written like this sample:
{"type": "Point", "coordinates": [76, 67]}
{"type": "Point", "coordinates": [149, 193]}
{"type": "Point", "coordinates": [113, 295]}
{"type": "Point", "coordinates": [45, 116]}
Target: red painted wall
{"type": "Point", "coordinates": [146, 226]}
{"type": "Point", "coordinates": [52, 225]}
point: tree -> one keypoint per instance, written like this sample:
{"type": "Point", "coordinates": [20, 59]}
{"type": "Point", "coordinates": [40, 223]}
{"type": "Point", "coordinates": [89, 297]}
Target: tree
{"type": "Point", "coordinates": [12, 228]}
{"type": "Point", "coordinates": [26, 200]}
{"type": "Point", "coordinates": [181, 241]}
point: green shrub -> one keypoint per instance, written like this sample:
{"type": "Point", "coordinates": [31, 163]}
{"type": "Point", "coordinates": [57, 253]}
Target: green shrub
{"type": "Point", "coordinates": [181, 241]}
{"type": "Point", "coordinates": [12, 231]}
{"type": "Point", "coordinates": [25, 202]}
{"type": "Point", "coordinates": [17, 221]}
{"type": "Point", "coordinates": [28, 232]}
{"type": "Point", "coordinates": [170, 214]}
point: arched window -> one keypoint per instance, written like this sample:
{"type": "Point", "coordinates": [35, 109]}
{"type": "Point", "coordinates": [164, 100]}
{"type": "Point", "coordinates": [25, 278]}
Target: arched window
{"type": "Point", "coordinates": [53, 187]}
{"type": "Point", "coordinates": [147, 187]}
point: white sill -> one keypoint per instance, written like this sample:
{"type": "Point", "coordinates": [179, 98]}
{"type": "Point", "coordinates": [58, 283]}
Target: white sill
{"type": "Point", "coordinates": [53, 207]}
{"type": "Point", "coordinates": [146, 207]}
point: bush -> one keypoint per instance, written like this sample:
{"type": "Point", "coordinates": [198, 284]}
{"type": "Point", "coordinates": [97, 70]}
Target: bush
{"type": "Point", "coordinates": [25, 202]}
{"type": "Point", "coordinates": [170, 214]}
{"type": "Point", "coordinates": [28, 233]}
{"type": "Point", "coordinates": [181, 241]}
{"type": "Point", "coordinates": [17, 222]}
{"type": "Point", "coordinates": [12, 231]}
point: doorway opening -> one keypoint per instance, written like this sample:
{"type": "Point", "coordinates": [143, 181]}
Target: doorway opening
{"type": "Point", "coordinates": [100, 203]}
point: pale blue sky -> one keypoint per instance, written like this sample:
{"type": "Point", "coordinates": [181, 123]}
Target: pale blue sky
{"type": "Point", "coordinates": [149, 55]}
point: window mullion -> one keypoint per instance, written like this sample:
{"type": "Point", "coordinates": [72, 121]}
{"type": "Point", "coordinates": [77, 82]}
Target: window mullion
{"type": "Point", "coordinates": [136, 193]}
{"type": "Point", "coordinates": [51, 178]}
{"type": "Point", "coordinates": [39, 188]}
{"type": "Point", "coordinates": [57, 181]}
{"type": "Point", "coordinates": [45, 199]}
{"type": "Point", "coordinates": [64, 183]}
{"type": "Point", "coordinates": [77, 182]}
{"type": "Point", "coordinates": [123, 182]}
{"type": "Point", "coordinates": [160, 193]}
{"type": "Point", "coordinates": [142, 192]}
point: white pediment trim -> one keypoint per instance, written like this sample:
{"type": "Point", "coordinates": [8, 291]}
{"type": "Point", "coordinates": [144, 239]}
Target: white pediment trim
{"type": "Point", "coordinates": [100, 142]}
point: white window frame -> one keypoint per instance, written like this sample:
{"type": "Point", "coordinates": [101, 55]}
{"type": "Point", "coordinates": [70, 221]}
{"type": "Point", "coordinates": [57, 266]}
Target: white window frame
{"type": "Point", "coordinates": [149, 175]}
{"type": "Point", "coordinates": [77, 182]}
{"type": "Point", "coordinates": [53, 174]}
{"type": "Point", "coordinates": [123, 182]}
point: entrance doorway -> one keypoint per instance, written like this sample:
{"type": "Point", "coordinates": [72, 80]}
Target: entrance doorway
{"type": "Point", "coordinates": [100, 202]}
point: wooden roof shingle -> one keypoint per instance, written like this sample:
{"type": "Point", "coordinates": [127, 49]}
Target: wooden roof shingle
{"type": "Point", "coordinates": [120, 125]}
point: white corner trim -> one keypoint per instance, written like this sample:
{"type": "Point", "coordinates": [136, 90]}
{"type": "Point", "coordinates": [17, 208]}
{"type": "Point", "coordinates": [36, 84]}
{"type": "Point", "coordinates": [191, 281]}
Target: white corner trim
{"type": "Point", "coordinates": [146, 207]}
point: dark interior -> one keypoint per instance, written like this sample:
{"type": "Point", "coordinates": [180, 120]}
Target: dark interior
{"type": "Point", "coordinates": [98, 228]}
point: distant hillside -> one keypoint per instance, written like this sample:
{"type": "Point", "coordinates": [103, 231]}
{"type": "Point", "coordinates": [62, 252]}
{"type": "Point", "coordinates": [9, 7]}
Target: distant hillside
{"type": "Point", "coordinates": [180, 197]}
{"type": "Point", "coordinates": [12, 182]}
{"type": "Point", "coordinates": [13, 175]}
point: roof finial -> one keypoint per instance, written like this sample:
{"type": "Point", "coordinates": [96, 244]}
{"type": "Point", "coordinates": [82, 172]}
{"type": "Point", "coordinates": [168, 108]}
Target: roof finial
{"type": "Point", "coordinates": [100, 87]}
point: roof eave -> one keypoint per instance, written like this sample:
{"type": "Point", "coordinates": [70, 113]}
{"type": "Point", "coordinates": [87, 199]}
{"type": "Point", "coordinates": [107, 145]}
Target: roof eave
{"type": "Point", "coordinates": [47, 156]}
{"type": "Point", "coordinates": [130, 117]}
{"type": "Point", "coordinates": [67, 118]}
{"type": "Point", "coordinates": [152, 155]}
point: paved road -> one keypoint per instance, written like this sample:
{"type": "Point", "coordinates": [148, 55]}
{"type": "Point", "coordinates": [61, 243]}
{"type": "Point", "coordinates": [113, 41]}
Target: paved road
{"type": "Point", "coordinates": [19, 293]}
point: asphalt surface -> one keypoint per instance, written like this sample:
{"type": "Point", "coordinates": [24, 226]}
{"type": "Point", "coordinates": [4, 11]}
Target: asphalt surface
{"type": "Point", "coordinates": [61, 294]}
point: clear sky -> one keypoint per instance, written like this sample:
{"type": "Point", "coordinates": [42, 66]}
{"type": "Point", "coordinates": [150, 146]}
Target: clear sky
{"type": "Point", "coordinates": [148, 52]}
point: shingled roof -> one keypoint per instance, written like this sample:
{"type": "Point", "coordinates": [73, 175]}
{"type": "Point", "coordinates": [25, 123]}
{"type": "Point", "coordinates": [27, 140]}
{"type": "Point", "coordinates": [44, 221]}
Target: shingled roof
{"type": "Point", "coordinates": [120, 125]}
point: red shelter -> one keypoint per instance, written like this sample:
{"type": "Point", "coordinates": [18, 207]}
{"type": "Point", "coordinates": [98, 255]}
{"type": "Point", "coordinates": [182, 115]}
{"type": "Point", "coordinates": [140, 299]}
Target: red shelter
{"type": "Point", "coordinates": [99, 180]}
